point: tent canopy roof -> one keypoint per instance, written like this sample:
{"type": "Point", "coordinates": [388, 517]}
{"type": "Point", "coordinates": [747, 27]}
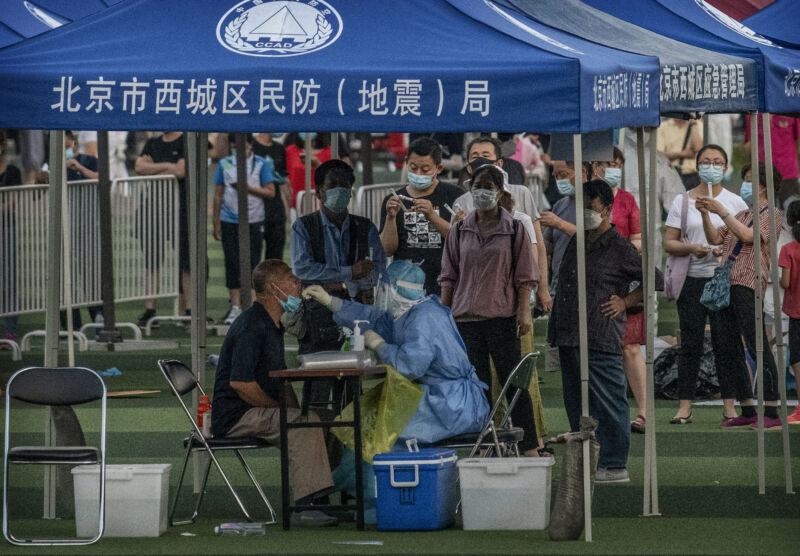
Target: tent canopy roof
{"type": "Point", "coordinates": [683, 66]}
{"type": "Point", "coordinates": [697, 22]}
{"type": "Point", "coordinates": [359, 65]}
{"type": "Point", "coordinates": [779, 21]}
{"type": "Point", "coordinates": [22, 19]}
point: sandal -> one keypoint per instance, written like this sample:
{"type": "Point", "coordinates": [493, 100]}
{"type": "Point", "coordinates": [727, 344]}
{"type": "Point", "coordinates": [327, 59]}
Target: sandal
{"type": "Point", "coordinates": [542, 453]}
{"type": "Point", "coordinates": [681, 420]}
{"type": "Point", "coordinates": [638, 424]}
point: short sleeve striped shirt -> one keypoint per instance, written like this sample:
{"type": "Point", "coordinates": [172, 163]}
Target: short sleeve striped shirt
{"type": "Point", "coordinates": [743, 270]}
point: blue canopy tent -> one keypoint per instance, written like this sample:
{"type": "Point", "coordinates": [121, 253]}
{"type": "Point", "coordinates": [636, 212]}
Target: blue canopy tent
{"type": "Point", "coordinates": [779, 22]}
{"type": "Point", "coordinates": [699, 23]}
{"type": "Point", "coordinates": [354, 66]}
{"type": "Point", "coordinates": [214, 74]}
{"type": "Point", "coordinates": [503, 17]}
{"type": "Point", "coordinates": [683, 65]}
{"type": "Point", "coordinates": [682, 90]}
{"type": "Point", "coordinates": [22, 19]}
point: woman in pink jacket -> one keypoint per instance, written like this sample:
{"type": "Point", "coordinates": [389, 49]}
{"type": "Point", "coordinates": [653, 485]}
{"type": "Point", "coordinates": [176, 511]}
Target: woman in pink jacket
{"type": "Point", "coordinates": [487, 277]}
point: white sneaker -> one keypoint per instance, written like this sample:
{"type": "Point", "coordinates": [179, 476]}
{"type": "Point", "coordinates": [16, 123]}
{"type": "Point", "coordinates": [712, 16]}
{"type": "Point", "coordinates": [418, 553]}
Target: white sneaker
{"type": "Point", "coordinates": [233, 312]}
{"type": "Point", "coordinates": [611, 476]}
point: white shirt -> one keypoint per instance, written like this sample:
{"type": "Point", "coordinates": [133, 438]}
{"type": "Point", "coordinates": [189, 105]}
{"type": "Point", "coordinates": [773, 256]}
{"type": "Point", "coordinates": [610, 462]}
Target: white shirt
{"type": "Point", "coordinates": [85, 137]}
{"type": "Point", "coordinates": [702, 268]}
{"type": "Point", "coordinates": [523, 202]}
{"type": "Point", "coordinates": [527, 223]}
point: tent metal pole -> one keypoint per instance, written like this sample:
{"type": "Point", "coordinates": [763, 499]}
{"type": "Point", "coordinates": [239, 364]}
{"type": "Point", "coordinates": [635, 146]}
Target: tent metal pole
{"type": "Point", "coordinates": [583, 336]}
{"type": "Point", "coordinates": [245, 281]}
{"type": "Point", "coordinates": [367, 174]}
{"type": "Point", "coordinates": [646, 255]}
{"type": "Point", "coordinates": [57, 167]}
{"type": "Point", "coordinates": [759, 302]}
{"type": "Point", "coordinates": [777, 315]}
{"type": "Point", "coordinates": [199, 304]}
{"type": "Point", "coordinates": [334, 145]}
{"type": "Point", "coordinates": [308, 203]}
{"type": "Point", "coordinates": [66, 259]}
{"type": "Point", "coordinates": [196, 366]}
{"type": "Point", "coordinates": [706, 130]}
{"type": "Point", "coordinates": [197, 178]}
{"type": "Point", "coordinates": [108, 334]}
{"type": "Point", "coordinates": [652, 323]}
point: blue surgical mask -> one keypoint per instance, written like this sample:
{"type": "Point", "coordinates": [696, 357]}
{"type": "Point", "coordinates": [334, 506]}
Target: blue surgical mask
{"type": "Point", "coordinates": [292, 303]}
{"type": "Point", "coordinates": [710, 173]}
{"type": "Point", "coordinates": [484, 199]}
{"type": "Point", "coordinates": [69, 153]}
{"type": "Point", "coordinates": [336, 199]}
{"type": "Point", "coordinates": [613, 176]}
{"type": "Point", "coordinates": [277, 135]}
{"type": "Point", "coordinates": [565, 187]}
{"type": "Point", "coordinates": [303, 135]}
{"type": "Point", "coordinates": [419, 181]}
{"type": "Point", "coordinates": [746, 192]}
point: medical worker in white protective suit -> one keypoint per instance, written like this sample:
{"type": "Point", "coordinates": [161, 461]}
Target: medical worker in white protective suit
{"type": "Point", "coordinates": [416, 335]}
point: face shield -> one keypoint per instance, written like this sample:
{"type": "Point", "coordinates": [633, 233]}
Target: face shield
{"type": "Point", "coordinates": [390, 299]}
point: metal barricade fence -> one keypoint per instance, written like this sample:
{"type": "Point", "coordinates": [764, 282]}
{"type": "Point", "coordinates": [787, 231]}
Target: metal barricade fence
{"type": "Point", "coordinates": [23, 248]}
{"type": "Point", "coordinates": [369, 199]}
{"type": "Point", "coordinates": [83, 198]}
{"type": "Point", "coordinates": [303, 206]}
{"type": "Point", "coordinates": [146, 212]}
{"type": "Point", "coordinates": [145, 219]}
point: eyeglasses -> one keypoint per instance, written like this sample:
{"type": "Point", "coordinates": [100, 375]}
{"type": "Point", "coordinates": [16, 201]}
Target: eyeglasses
{"type": "Point", "coordinates": [715, 162]}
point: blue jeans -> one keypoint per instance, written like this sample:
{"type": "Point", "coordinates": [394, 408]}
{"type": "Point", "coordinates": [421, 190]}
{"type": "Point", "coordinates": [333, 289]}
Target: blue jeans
{"type": "Point", "coordinates": [608, 401]}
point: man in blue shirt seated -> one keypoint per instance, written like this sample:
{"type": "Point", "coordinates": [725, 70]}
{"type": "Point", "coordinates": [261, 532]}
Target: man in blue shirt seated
{"type": "Point", "coordinates": [246, 398]}
{"type": "Point", "coordinates": [340, 252]}
{"type": "Point", "coordinates": [416, 335]}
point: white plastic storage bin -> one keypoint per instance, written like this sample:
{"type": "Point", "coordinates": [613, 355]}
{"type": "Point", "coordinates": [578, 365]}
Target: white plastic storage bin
{"type": "Point", "coordinates": [136, 499]}
{"type": "Point", "coordinates": [505, 493]}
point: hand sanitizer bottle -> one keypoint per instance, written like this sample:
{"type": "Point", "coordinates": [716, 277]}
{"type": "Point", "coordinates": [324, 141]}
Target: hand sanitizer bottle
{"type": "Point", "coordinates": [357, 340]}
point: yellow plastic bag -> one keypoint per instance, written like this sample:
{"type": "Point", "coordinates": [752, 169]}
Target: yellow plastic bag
{"type": "Point", "coordinates": [386, 409]}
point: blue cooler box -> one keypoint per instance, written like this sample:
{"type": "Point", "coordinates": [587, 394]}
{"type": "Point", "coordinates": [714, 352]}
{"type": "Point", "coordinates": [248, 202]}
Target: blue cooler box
{"type": "Point", "coordinates": [416, 491]}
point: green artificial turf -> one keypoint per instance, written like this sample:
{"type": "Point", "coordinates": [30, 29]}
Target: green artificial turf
{"type": "Point", "coordinates": [708, 494]}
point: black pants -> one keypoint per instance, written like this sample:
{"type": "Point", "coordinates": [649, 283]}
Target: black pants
{"type": "Point", "coordinates": [498, 338]}
{"type": "Point", "coordinates": [794, 341]}
{"type": "Point", "coordinates": [692, 316]}
{"type": "Point", "coordinates": [77, 322]}
{"type": "Point", "coordinates": [274, 239]}
{"type": "Point", "coordinates": [737, 321]}
{"type": "Point", "coordinates": [230, 249]}
{"type": "Point", "coordinates": [322, 334]}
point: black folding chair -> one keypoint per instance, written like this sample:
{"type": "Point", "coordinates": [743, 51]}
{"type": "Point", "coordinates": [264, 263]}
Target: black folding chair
{"type": "Point", "coordinates": [59, 386]}
{"type": "Point", "coordinates": [503, 438]}
{"type": "Point", "coordinates": [182, 381]}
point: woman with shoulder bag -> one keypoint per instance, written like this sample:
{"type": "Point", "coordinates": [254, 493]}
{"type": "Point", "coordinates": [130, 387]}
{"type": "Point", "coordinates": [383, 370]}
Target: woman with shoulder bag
{"type": "Point", "coordinates": [488, 273]}
{"type": "Point", "coordinates": [735, 321]}
{"type": "Point", "coordinates": [685, 242]}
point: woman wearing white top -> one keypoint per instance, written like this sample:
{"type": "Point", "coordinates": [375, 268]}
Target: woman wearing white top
{"type": "Point", "coordinates": [712, 162]}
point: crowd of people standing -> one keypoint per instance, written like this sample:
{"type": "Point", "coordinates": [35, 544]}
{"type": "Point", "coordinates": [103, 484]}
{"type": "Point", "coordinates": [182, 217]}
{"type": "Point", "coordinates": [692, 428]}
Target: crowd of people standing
{"type": "Point", "coordinates": [493, 252]}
